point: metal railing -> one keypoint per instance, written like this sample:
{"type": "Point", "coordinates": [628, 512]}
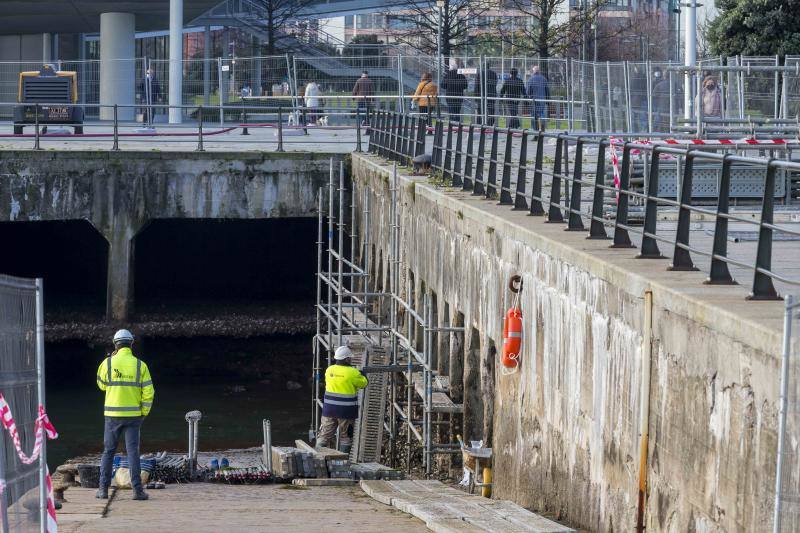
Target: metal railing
{"type": "Point", "coordinates": [570, 188]}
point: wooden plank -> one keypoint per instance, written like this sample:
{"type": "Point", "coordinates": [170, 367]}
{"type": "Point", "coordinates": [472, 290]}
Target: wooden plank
{"type": "Point", "coordinates": [327, 453]}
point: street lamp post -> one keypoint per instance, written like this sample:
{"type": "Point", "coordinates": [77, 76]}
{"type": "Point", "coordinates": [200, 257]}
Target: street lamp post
{"type": "Point", "coordinates": [439, 8]}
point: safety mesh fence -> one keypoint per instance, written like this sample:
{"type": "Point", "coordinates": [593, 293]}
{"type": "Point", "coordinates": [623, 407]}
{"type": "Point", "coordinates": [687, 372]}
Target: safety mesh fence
{"type": "Point", "coordinates": [789, 492]}
{"type": "Point", "coordinates": [581, 95]}
{"type": "Point", "coordinates": [18, 384]}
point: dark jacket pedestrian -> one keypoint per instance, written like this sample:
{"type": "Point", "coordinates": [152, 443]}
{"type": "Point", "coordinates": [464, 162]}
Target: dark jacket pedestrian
{"type": "Point", "coordinates": [453, 86]}
{"type": "Point", "coordinates": [513, 90]}
{"type": "Point", "coordinates": [491, 91]}
{"type": "Point", "coordinates": [363, 90]}
{"type": "Point", "coordinates": [538, 90]}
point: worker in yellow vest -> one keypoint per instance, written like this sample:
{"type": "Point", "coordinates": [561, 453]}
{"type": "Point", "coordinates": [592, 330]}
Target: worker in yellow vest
{"type": "Point", "coordinates": [342, 383]}
{"type": "Point", "coordinates": [129, 397]}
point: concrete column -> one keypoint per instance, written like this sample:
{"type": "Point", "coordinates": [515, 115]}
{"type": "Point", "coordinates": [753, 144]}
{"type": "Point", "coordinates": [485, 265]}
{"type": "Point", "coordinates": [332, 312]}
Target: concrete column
{"type": "Point", "coordinates": [207, 66]}
{"type": "Point", "coordinates": [117, 64]}
{"type": "Point", "coordinates": [47, 48]}
{"type": "Point", "coordinates": [175, 60]}
{"type": "Point", "coordinates": [119, 295]}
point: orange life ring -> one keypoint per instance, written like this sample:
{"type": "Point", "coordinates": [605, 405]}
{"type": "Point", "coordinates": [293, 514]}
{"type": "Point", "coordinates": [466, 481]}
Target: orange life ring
{"type": "Point", "coordinates": [512, 337]}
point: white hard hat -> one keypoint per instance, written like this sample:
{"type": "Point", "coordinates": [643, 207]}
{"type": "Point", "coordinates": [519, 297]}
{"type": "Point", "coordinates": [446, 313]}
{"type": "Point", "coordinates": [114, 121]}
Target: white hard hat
{"type": "Point", "coordinates": [123, 335]}
{"type": "Point", "coordinates": [342, 353]}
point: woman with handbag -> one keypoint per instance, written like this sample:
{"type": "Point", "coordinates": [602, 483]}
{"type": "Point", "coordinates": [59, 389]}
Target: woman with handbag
{"type": "Point", "coordinates": [425, 96]}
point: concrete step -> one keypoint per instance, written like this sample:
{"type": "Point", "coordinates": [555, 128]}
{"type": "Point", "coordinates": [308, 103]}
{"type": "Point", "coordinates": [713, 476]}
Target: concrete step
{"type": "Point", "coordinates": [446, 509]}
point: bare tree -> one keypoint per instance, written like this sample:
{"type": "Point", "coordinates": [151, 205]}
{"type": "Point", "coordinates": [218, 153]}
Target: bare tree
{"type": "Point", "coordinates": [462, 23]}
{"type": "Point", "coordinates": [277, 18]}
{"type": "Point", "coordinates": [553, 28]}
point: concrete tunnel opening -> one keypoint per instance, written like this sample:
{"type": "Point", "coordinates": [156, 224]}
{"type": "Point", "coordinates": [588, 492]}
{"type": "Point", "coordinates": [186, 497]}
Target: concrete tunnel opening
{"type": "Point", "coordinates": [198, 265]}
{"type": "Point", "coordinates": [72, 258]}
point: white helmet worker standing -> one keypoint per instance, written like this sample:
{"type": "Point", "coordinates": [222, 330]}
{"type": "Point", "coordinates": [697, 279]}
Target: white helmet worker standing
{"type": "Point", "coordinates": [126, 381]}
{"type": "Point", "coordinates": [340, 409]}
{"type": "Point", "coordinates": [343, 353]}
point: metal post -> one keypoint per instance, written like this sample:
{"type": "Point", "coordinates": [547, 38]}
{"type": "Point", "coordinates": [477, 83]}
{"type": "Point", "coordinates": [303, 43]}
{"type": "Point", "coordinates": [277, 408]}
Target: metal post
{"type": "Point", "coordinates": [280, 129]}
{"type": "Point", "coordinates": [115, 147]}
{"type": "Point", "coordinates": [316, 371]}
{"type": "Point", "coordinates": [626, 80]}
{"type": "Point", "coordinates": [340, 251]}
{"type": "Point", "coordinates": [596, 98]}
{"type": "Point", "coordinates": [267, 428]}
{"type": "Point", "coordinates": [783, 406]}
{"type": "Point", "coordinates": [719, 273]}
{"type": "Point", "coordinates": [689, 55]}
{"type": "Point", "coordinates": [649, 97]}
{"type": "Point", "coordinates": [682, 260]}
{"type": "Point", "coordinates": [439, 46]}
{"type": "Point", "coordinates": [40, 386]}
{"type": "Point", "coordinates": [536, 191]}
{"type": "Point", "coordinates": [554, 210]}
{"type": "Point", "coordinates": [220, 85]}
{"type": "Point", "coordinates": [608, 95]}
{"type": "Point", "coordinates": [763, 288]}
{"type": "Point", "coordinates": [36, 145]}
{"type": "Point", "coordinates": [200, 129]}
{"type": "Point", "coordinates": [649, 243]}
{"type": "Point", "coordinates": [621, 237]}
{"type": "Point", "coordinates": [520, 203]}
{"type": "Point", "coordinates": [574, 218]}
{"type": "Point", "coordinates": [484, 88]}
{"type": "Point", "coordinates": [331, 219]}
{"type": "Point", "coordinates": [358, 129]}
{"type": "Point", "coordinates": [699, 114]}
{"type": "Point", "coordinates": [671, 102]}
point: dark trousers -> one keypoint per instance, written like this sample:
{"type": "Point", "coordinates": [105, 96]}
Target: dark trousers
{"type": "Point", "coordinates": [116, 427]}
{"type": "Point", "coordinates": [454, 108]}
{"type": "Point", "coordinates": [513, 114]}
{"type": "Point", "coordinates": [490, 110]}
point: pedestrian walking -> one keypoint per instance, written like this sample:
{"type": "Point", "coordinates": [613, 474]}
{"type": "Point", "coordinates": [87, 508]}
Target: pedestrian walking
{"type": "Point", "coordinates": [363, 90]}
{"type": "Point", "coordinates": [340, 408]}
{"type": "Point", "coordinates": [312, 102]}
{"type": "Point", "coordinates": [453, 85]}
{"type": "Point", "coordinates": [425, 97]}
{"type": "Point", "coordinates": [129, 397]}
{"type": "Point", "coordinates": [513, 91]}
{"type": "Point", "coordinates": [538, 90]}
{"type": "Point", "coordinates": [711, 98]}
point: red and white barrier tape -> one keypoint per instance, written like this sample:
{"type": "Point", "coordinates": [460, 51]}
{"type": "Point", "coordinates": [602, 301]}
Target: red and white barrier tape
{"type": "Point", "coordinates": [710, 142]}
{"type": "Point", "coordinates": [42, 426]}
{"type": "Point", "coordinates": [615, 164]}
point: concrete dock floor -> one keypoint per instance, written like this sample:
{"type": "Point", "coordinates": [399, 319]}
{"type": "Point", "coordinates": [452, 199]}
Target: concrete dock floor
{"type": "Point", "coordinates": [208, 507]}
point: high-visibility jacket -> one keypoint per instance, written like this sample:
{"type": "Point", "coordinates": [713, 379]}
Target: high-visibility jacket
{"type": "Point", "coordinates": [342, 383]}
{"type": "Point", "coordinates": [127, 383]}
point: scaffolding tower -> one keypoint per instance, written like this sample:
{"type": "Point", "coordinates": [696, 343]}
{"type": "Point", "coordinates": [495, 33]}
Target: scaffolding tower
{"type": "Point", "coordinates": [351, 309]}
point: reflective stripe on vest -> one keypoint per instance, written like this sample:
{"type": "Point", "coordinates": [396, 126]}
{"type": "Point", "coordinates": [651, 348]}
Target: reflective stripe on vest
{"type": "Point", "coordinates": [334, 398]}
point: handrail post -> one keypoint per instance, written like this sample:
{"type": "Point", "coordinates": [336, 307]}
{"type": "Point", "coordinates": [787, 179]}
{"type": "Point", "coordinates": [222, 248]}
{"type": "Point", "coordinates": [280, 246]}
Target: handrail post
{"type": "Point", "coordinates": [520, 203]}
{"type": "Point", "coordinates": [280, 129]}
{"type": "Point", "coordinates": [763, 288]}
{"type": "Point", "coordinates": [468, 182]}
{"type": "Point", "coordinates": [719, 273]}
{"type": "Point", "coordinates": [456, 171]}
{"type": "Point", "coordinates": [597, 229]}
{"type": "Point", "coordinates": [505, 181]}
{"type": "Point", "coordinates": [575, 223]}
{"type": "Point", "coordinates": [491, 182]}
{"type": "Point", "coordinates": [649, 244]}
{"type": "Point", "coordinates": [554, 214]}
{"type": "Point", "coordinates": [36, 145]}
{"type": "Point", "coordinates": [478, 187]}
{"type": "Point", "coordinates": [200, 129]}
{"type": "Point", "coordinates": [115, 147]}
{"type": "Point", "coordinates": [681, 259]}
{"type": "Point", "coordinates": [621, 237]}
{"type": "Point", "coordinates": [448, 152]}
{"type": "Point", "coordinates": [536, 192]}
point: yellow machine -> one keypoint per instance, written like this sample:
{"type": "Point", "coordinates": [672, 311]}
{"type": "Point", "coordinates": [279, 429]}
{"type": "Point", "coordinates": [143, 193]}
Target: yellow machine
{"type": "Point", "coordinates": [48, 88]}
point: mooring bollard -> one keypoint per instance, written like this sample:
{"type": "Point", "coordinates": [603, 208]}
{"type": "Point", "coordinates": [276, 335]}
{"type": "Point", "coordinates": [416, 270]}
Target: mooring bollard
{"type": "Point", "coordinates": [267, 451]}
{"type": "Point", "coordinates": [193, 418]}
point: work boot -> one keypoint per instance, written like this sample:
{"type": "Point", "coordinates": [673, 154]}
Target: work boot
{"type": "Point", "coordinates": [101, 494]}
{"type": "Point", "coordinates": [140, 495]}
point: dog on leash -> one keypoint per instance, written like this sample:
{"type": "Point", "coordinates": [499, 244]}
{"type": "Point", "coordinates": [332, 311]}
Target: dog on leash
{"type": "Point", "coordinates": [322, 121]}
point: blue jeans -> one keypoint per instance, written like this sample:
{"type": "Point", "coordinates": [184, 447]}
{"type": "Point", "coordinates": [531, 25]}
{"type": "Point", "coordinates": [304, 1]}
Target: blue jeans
{"type": "Point", "coordinates": [115, 427]}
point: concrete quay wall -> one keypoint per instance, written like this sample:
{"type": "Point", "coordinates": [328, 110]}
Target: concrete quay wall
{"type": "Point", "coordinates": [120, 192]}
{"type": "Point", "coordinates": [566, 427]}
